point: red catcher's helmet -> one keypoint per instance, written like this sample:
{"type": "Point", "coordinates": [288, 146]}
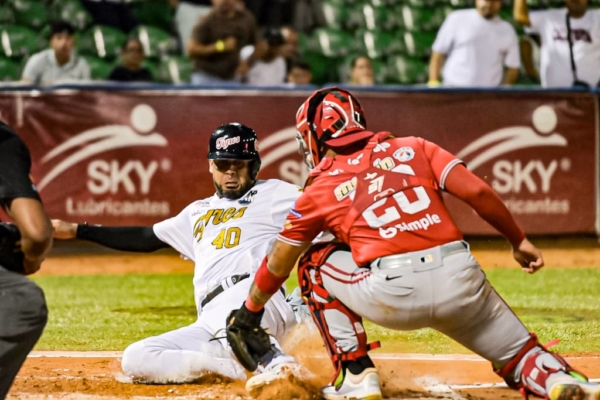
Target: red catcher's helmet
{"type": "Point", "coordinates": [331, 116]}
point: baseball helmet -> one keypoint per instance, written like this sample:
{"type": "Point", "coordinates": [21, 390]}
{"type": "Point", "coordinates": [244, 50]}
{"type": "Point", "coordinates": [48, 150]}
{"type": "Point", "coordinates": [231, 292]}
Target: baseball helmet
{"type": "Point", "coordinates": [331, 116]}
{"type": "Point", "coordinates": [237, 142]}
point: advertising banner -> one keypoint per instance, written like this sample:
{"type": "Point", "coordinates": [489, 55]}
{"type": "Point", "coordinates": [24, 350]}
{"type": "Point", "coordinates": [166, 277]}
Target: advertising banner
{"type": "Point", "coordinates": [124, 158]}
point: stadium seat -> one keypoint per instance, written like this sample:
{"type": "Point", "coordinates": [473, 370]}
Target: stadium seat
{"type": "Point", "coordinates": [377, 17]}
{"type": "Point", "coordinates": [30, 13]}
{"type": "Point", "coordinates": [418, 44]}
{"type": "Point", "coordinates": [336, 14]}
{"type": "Point", "coordinates": [101, 41]}
{"type": "Point", "coordinates": [19, 41]}
{"type": "Point", "coordinates": [421, 18]}
{"type": "Point", "coordinates": [329, 42]}
{"type": "Point", "coordinates": [99, 67]}
{"type": "Point", "coordinates": [157, 13]}
{"type": "Point", "coordinates": [10, 70]}
{"type": "Point", "coordinates": [72, 11]}
{"type": "Point", "coordinates": [323, 69]}
{"type": "Point", "coordinates": [406, 70]}
{"type": "Point", "coordinates": [430, 4]}
{"type": "Point", "coordinates": [376, 43]}
{"type": "Point", "coordinates": [7, 15]}
{"type": "Point", "coordinates": [155, 41]}
{"type": "Point", "coordinates": [152, 66]}
{"type": "Point", "coordinates": [174, 69]}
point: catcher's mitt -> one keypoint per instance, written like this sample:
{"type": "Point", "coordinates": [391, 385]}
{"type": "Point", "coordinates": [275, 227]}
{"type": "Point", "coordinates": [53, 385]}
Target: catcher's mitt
{"type": "Point", "coordinates": [250, 343]}
{"type": "Point", "coordinates": [11, 256]}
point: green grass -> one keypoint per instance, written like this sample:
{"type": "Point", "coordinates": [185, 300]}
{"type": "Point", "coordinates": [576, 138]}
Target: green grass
{"type": "Point", "coordinates": [108, 312]}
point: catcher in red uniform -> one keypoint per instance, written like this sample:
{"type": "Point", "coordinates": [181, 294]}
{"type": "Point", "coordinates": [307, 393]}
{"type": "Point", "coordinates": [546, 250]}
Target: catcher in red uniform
{"type": "Point", "coordinates": [399, 259]}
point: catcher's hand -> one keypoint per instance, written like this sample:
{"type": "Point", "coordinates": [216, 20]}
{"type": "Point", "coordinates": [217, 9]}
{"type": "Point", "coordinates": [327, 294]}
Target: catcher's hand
{"type": "Point", "coordinates": [11, 256]}
{"type": "Point", "coordinates": [249, 342]}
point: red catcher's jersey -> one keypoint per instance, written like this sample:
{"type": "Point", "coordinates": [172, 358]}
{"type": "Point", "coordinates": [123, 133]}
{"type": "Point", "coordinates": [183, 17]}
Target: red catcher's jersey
{"type": "Point", "coordinates": [384, 199]}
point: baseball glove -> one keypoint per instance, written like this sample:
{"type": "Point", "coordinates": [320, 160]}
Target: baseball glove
{"type": "Point", "coordinates": [250, 343]}
{"type": "Point", "coordinates": [11, 256]}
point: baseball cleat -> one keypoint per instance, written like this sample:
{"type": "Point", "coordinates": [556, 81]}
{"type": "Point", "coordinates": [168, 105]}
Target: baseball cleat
{"type": "Point", "coordinates": [574, 388]}
{"type": "Point", "coordinates": [364, 386]}
{"type": "Point", "coordinates": [284, 371]}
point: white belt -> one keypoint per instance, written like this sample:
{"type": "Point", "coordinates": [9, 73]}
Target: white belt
{"type": "Point", "coordinates": [423, 259]}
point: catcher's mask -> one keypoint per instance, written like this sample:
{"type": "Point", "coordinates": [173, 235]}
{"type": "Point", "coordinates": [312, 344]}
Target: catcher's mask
{"type": "Point", "coordinates": [235, 141]}
{"type": "Point", "coordinates": [331, 116]}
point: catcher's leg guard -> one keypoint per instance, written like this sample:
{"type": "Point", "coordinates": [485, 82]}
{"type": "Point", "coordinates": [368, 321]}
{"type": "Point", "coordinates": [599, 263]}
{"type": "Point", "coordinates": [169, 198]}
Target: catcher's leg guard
{"type": "Point", "coordinates": [341, 329]}
{"type": "Point", "coordinates": [536, 370]}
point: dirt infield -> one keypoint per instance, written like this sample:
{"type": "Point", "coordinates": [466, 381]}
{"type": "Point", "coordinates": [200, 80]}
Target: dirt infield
{"type": "Point", "coordinates": [404, 376]}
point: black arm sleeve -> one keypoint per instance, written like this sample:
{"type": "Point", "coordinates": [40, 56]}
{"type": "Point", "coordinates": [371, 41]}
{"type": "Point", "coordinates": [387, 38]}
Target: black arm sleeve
{"type": "Point", "coordinates": [140, 239]}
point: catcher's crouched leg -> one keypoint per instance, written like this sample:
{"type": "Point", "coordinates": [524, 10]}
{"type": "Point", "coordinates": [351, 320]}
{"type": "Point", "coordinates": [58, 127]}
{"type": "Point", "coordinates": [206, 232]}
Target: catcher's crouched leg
{"type": "Point", "coordinates": [341, 329]}
{"type": "Point", "coordinates": [536, 370]}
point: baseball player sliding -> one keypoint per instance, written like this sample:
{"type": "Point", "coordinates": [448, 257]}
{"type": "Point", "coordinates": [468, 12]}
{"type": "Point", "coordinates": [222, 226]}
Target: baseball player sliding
{"type": "Point", "coordinates": [226, 235]}
{"type": "Point", "coordinates": [400, 259]}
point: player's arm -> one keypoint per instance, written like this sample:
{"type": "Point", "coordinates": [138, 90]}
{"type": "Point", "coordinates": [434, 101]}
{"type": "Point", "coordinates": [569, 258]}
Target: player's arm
{"type": "Point", "coordinates": [140, 239]}
{"type": "Point", "coordinates": [465, 185]}
{"type": "Point", "coordinates": [435, 67]}
{"type": "Point", "coordinates": [35, 229]}
{"type": "Point", "coordinates": [273, 272]}
{"type": "Point", "coordinates": [521, 12]}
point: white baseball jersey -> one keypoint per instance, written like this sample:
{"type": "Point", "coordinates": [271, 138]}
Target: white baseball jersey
{"type": "Point", "coordinates": [476, 49]}
{"type": "Point", "coordinates": [555, 58]}
{"type": "Point", "coordinates": [229, 237]}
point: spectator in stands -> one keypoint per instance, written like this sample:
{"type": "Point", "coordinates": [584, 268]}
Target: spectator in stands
{"type": "Point", "coordinates": [299, 74]}
{"type": "Point", "coordinates": [187, 15]}
{"type": "Point", "coordinates": [361, 71]}
{"type": "Point", "coordinates": [570, 42]}
{"type": "Point", "coordinates": [290, 50]}
{"type": "Point", "coordinates": [476, 48]}
{"type": "Point", "coordinates": [113, 13]}
{"type": "Point", "coordinates": [266, 64]}
{"type": "Point", "coordinates": [132, 56]}
{"type": "Point", "coordinates": [217, 40]}
{"type": "Point", "coordinates": [58, 63]}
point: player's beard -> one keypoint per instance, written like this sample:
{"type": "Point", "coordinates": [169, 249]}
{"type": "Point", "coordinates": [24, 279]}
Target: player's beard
{"type": "Point", "coordinates": [233, 194]}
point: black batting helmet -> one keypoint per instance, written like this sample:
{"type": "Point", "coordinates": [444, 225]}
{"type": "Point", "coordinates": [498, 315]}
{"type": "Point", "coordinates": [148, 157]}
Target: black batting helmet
{"type": "Point", "coordinates": [235, 141]}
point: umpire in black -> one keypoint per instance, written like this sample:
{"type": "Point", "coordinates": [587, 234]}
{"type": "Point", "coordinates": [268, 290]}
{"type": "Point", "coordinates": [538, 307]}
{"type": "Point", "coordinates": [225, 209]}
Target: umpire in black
{"type": "Point", "coordinates": [23, 312]}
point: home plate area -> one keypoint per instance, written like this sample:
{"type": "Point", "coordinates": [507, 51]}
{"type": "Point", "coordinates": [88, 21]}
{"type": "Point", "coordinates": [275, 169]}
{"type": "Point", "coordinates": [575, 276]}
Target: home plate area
{"type": "Point", "coordinates": [97, 375]}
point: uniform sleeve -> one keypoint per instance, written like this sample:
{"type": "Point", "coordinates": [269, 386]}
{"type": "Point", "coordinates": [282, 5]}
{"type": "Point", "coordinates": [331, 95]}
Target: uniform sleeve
{"type": "Point", "coordinates": [513, 58]}
{"type": "Point", "coordinates": [538, 20]}
{"type": "Point", "coordinates": [283, 201]}
{"type": "Point", "coordinates": [33, 69]}
{"type": "Point", "coordinates": [445, 36]}
{"type": "Point", "coordinates": [15, 166]}
{"type": "Point", "coordinates": [304, 222]}
{"type": "Point", "coordinates": [441, 161]}
{"type": "Point", "coordinates": [177, 232]}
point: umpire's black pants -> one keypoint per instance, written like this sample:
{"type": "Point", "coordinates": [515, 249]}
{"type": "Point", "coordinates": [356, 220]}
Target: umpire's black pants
{"type": "Point", "coordinates": [23, 316]}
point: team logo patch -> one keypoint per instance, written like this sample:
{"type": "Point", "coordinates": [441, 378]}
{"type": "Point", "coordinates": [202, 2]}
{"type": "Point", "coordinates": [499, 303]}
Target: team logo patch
{"type": "Point", "coordinates": [249, 198]}
{"type": "Point", "coordinates": [225, 142]}
{"type": "Point", "coordinates": [404, 154]}
{"type": "Point", "coordinates": [345, 189]}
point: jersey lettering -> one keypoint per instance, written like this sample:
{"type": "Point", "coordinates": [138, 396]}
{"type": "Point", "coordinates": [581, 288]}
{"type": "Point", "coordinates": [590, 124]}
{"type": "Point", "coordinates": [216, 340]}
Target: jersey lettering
{"type": "Point", "coordinates": [218, 216]}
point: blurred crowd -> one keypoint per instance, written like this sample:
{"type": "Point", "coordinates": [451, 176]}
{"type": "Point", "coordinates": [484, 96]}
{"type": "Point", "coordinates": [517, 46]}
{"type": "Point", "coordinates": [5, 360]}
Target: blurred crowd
{"type": "Point", "coordinates": [257, 42]}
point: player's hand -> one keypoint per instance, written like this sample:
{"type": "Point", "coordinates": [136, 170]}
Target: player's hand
{"type": "Point", "coordinates": [31, 266]}
{"type": "Point", "coordinates": [528, 256]}
{"type": "Point", "coordinates": [249, 342]}
{"type": "Point", "coordinates": [64, 230]}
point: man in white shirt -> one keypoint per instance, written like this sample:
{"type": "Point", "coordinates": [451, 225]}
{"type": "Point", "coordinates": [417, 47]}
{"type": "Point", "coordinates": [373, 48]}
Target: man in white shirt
{"type": "Point", "coordinates": [476, 49]}
{"type": "Point", "coordinates": [58, 63]}
{"type": "Point", "coordinates": [267, 67]}
{"type": "Point", "coordinates": [570, 51]}
{"type": "Point", "coordinates": [226, 235]}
